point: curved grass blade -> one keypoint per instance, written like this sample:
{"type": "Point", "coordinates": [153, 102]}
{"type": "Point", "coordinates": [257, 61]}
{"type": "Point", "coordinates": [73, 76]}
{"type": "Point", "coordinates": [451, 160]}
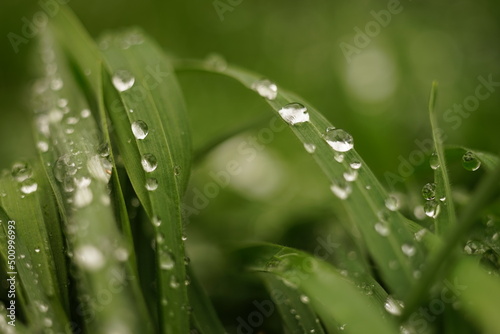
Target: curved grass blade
{"type": "Point", "coordinates": [79, 177]}
{"type": "Point", "coordinates": [294, 308]}
{"type": "Point", "coordinates": [489, 160]}
{"type": "Point", "coordinates": [336, 299]}
{"type": "Point", "coordinates": [204, 317]}
{"type": "Point", "coordinates": [443, 219]}
{"type": "Point", "coordinates": [480, 294]}
{"type": "Point", "coordinates": [148, 118]}
{"type": "Point", "coordinates": [32, 268]}
{"type": "Point", "coordinates": [394, 250]}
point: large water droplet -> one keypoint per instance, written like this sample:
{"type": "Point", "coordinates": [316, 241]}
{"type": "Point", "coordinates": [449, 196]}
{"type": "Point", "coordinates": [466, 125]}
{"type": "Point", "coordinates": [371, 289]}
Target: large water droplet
{"type": "Point", "coordinates": [151, 184]}
{"type": "Point", "coordinates": [123, 80]}
{"type": "Point", "coordinates": [393, 306]}
{"type": "Point", "coordinates": [341, 189]}
{"type": "Point", "coordinates": [470, 161]}
{"type": "Point", "coordinates": [434, 161]}
{"type": "Point", "coordinates": [392, 203]}
{"type": "Point", "coordinates": [149, 162]}
{"type": "Point", "coordinates": [339, 140]}
{"type": "Point", "coordinates": [140, 129]}
{"type": "Point", "coordinates": [408, 250]}
{"type": "Point", "coordinates": [432, 208]}
{"type": "Point", "coordinates": [29, 186]}
{"type": "Point", "coordinates": [294, 113]}
{"type": "Point", "coordinates": [266, 89]}
{"type": "Point", "coordinates": [89, 257]}
{"type": "Point", "coordinates": [429, 191]}
{"type": "Point", "coordinates": [382, 229]}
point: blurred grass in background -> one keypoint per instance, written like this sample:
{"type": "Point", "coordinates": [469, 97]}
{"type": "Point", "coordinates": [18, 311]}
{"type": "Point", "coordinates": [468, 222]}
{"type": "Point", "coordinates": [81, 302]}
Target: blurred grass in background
{"type": "Point", "coordinates": [380, 97]}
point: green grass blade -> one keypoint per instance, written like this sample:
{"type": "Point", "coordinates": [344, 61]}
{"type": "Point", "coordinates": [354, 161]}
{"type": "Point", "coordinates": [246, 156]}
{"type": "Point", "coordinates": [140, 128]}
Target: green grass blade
{"type": "Point", "coordinates": [204, 317]}
{"type": "Point", "coordinates": [79, 177]}
{"type": "Point", "coordinates": [366, 205]}
{"type": "Point", "coordinates": [489, 160]}
{"type": "Point", "coordinates": [446, 217]}
{"type": "Point", "coordinates": [157, 104]}
{"type": "Point", "coordinates": [480, 294]}
{"type": "Point", "coordinates": [294, 308]}
{"type": "Point", "coordinates": [335, 298]}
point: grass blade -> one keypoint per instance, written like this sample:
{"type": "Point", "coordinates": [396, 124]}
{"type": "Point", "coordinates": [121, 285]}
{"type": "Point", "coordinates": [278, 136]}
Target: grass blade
{"type": "Point", "coordinates": [154, 143]}
{"type": "Point", "coordinates": [336, 299]}
{"type": "Point", "coordinates": [294, 308]}
{"type": "Point", "coordinates": [366, 205]}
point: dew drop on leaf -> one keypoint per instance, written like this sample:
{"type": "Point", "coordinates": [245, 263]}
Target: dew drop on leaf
{"type": "Point", "coordinates": [351, 175]}
{"type": "Point", "coordinates": [470, 162]}
{"type": "Point", "coordinates": [28, 186]}
{"type": "Point", "coordinates": [294, 113]}
{"type": "Point", "coordinates": [341, 189]}
{"type": "Point", "coordinates": [140, 129]}
{"type": "Point", "coordinates": [434, 161]}
{"type": "Point", "coordinates": [266, 88]}
{"type": "Point", "coordinates": [393, 306]}
{"type": "Point", "coordinates": [123, 80]}
{"type": "Point", "coordinates": [310, 148]}
{"type": "Point", "coordinates": [432, 208]}
{"type": "Point", "coordinates": [151, 184]}
{"type": "Point", "coordinates": [408, 250]}
{"type": "Point", "coordinates": [429, 191]}
{"type": "Point", "coordinates": [392, 203]}
{"type": "Point", "coordinates": [149, 162]}
{"type": "Point", "coordinates": [382, 229]}
{"type": "Point", "coordinates": [339, 140]}
{"type": "Point", "coordinates": [89, 257]}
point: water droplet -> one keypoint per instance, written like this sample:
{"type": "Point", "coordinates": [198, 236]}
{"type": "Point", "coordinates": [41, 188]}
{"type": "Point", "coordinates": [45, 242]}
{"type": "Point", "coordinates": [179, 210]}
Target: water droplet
{"type": "Point", "coordinates": [174, 283]}
{"type": "Point", "coordinates": [83, 197]}
{"type": "Point", "coordinates": [392, 203]}
{"type": "Point", "coordinates": [339, 140]}
{"type": "Point", "coordinates": [85, 113]}
{"type": "Point", "coordinates": [470, 161]}
{"type": "Point", "coordinates": [72, 120]}
{"type": "Point", "coordinates": [419, 236]}
{"type": "Point", "coordinates": [355, 165]}
{"type": "Point", "coordinates": [338, 157]}
{"type": "Point", "coordinates": [37, 250]}
{"type": "Point", "coordinates": [434, 161]}
{"type": "Point", "coordinates": [310, 148]}
{"type": "Point", "coordinates": [21, 171]}
{"type": "Point", "coordinates": [56, 84]}
{"type": "Point", "coordinates": [341, 189]}
{"type": "Point", "coordinates": [266, 89]}
{"type": "Point", "coordinates": [29, 186]}
{"type": "Point", "coordinates": [382, 229]}
{"type": "Point", "coordinates": [166, 260]}
{"type": "Point", "coordinates": [123, 80]}
{"type": "Point", "coordinates": [89, 257]}
{"type": "Point", "coordinates": [432, 208]}
{"type": "Point", "coordinates": [140, 129]}
{"type": "Point", "coordinates": [408, 250]}
{"type": "Point", "coordinates": [216, 62]}
{"type": "Point", "coordinates": [99, 168]}
{"type": "Point", "coordinates": [177, 170]}
{"type": "Point", "coordinates": [429, 191]}
{"type": "Point", "coordinates": [156, 221]}
{"type": "Point", "coordinates": [351, 175]}
{"type": "Point", "coordinates": [42, 146]}
{"type": "Point", "coordinates": [294, 113]}
{"type": "Point", "coordinates": [149, 162]}
{"type": "Point", "coordinates": [151, 184]}
{"type": "Point", "coordinates": [393, 306]}
{"type": "Point", "coordinates": [121, 254]}
{"type": "Point", "coordinates": [42, 307]}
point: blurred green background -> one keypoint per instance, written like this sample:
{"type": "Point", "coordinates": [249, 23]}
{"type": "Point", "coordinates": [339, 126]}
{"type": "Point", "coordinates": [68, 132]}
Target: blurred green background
{"type": "Point", "coordinates": [379, 95]}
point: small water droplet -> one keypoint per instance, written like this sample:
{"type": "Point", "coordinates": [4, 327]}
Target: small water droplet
{"type": "Point", "coordinates": [43, 146]}
{"type": "Point", "coordinates": [392, 203]}
{"type": "Point", "coordinates": [72, 120]}
{"type": "Point", "coordinates": [355, 165]}
{"type": "Point", "coordinates": [123, 80]}
{"type": "Point", "coordinates": [382, 229]}
{"type": "Point", "coordinates": [266, 89]}
{"type": "Point", "coordinates": [149, 162]}
{"type": "Point", "coordinates": [21, 171]}
{"type": "Point", "coordinates": [151, 184]}
{"type": "Point", "coordinates": [156, 221]}
{"type": "Point", "coordinates": [432, 208]}
{"type": "Point", "coordinates": [339, 140]}
{"type": "Point", "coordinates": [408, 250]}
{"type": "Point", "coordinates": [177, 170]}
{"type": "Point", "coordinates": [37, 250]}
{"type": "Point", "coordinates": [393, 306]}
{"type": "Point", "coordinates": [419, 236]}
{"type": "Point", "coordinates": [294, 113]}
{"type": "Point", "coordinates": [338, 157]}
{"type": "Point", "coordinates": [56, 84]}
{"type": "Point", "coordinates": [89, 257]}
{"type": "Point", "coordinates": [341, 189]}
{"type": "Point", "coordinates": [28, 186]}
{"type": "Point", "coordinates": [429, 191]}
{"type": "Point", "coordinates": [174, 283]}
{"type": "Point", "coordinates": [304, 299]}
{"type": "Point", "coordinates": [85, 113]}
{"type": "Point", "coordinates": [121, 254]}
{"type": "Point", "coordinates": [216, 62]}
{"type": "Point", "coordinates": [140, 129]}
{"type": "Point", "coordinates": [434, 161]}
{"type": "Point", "coordinates": [351, 175]}
{"type": "Point", "coordinates": [310, 148]}
{"type": "Point", "coordinates": [470, 162]}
